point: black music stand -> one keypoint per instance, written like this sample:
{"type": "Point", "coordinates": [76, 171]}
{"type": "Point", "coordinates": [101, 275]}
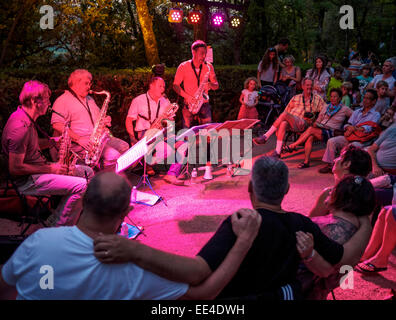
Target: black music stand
{"type": "Point", "coordinates": [242, 124]}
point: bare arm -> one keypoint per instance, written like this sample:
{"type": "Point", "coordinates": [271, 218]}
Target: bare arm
{"type": "Point", "coordinates": [18, 167]}
{"type": "Point", "coordinates": [241, 99]}
{"type": "Point", "coordinates": [320, 208]}
{"type": "Point", "coordinates": [354, 248]}
{"type": "Point", "coordinates": [129, 127]}
{"type": "Point", "coordinates": [311, 258]}
{"type": "Point", "coordinates": [377, 170]}
{"type": "Point", "coordinates": [246, 228]}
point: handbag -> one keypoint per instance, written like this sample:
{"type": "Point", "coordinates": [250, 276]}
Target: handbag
{"type": "Point", "coordinates": [362, 136]}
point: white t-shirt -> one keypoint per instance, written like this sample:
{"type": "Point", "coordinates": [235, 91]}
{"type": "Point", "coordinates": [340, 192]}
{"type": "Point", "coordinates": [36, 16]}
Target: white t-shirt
{"type": "Point", "coordinates": [72, 109]}
{"type": "Point", "coordinates": [267, 75]}
{"type": "Point", "coordinates": [249, 97]}
{"type": "Point", "coordinates": [65, 254]}
{"type": "Point", "coordinates": [139, 108]}
{"type": "Point", "coordinates": [378, 77]}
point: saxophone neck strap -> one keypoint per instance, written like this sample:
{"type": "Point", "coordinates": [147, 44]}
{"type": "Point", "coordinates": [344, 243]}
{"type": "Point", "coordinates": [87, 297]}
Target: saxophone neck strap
{"type": "Point", "coordinates": [149, 110]}
{"type": "Point", "coordinates": [198, 76]}
{"type": "Point", "coordinates": [86, 107]}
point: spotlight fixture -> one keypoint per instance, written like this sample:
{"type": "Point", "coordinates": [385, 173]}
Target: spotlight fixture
{"type": "Point", "coordinates": [175, 15]}
{"type": "Point", "coordinates": [218, 19]}
{"type": "Point", "coordinates": [194, 17]}
{"type": "Point", "coordinates": [235, 22]}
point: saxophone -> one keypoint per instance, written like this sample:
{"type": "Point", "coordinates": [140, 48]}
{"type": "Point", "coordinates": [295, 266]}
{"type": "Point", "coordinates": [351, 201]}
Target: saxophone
{"type": "Point", "coordinates": [100, 134]}
{"type": "Point", "coordinates": [159, 123]}
{"type": "Point", "coordinates": [200, 95]}
{"type": "Point", "coordinates": [65, 154]}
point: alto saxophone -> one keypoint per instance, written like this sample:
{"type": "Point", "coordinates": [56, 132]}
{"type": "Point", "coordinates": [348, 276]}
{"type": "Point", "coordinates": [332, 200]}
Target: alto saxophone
{"type": "Point", "coordinates": [100, 134]}
{"type": "Point", "coordinates": [200, 95]}
{"type": "Point", "coordinates": [158, 123]}
{"type": "Point", "coordinates": [65, 155]}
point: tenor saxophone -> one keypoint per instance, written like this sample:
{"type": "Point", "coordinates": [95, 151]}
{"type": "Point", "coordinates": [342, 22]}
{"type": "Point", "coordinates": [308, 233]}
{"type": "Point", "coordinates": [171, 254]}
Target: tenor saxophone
{"type": "Point", "coordinates": [200, 95]}
{"type": "Point", "coordinates": [65, 154]}
{"type": "Point", "coordinates": [100, 134]}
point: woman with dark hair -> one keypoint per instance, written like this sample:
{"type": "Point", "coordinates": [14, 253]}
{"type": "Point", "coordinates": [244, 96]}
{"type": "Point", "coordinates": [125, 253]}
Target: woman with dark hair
{"type": "Point", "coordinates": [351, 198]}
{"type": "Point", "coordinates": [320, 76]}
{"type": "Point", "coordinates": [267, 73]}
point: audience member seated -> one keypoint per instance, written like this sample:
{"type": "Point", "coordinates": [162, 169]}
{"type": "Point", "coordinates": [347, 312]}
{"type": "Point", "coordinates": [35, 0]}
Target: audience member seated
{"type": "Point", "coordinates": [352, 161]}
{"type": "Point", "coordinates": [346, 89]}
{"type": "Point", "coordinates": [346, 74]}
{"type": "Point", "coordinates": [68, 251]}
{"type": "Point", "coordinates": [377, 70]}
{"type": "Point", "coordinates": [335, 81]}
{"type": "Point", "coordinates": [387, 119]}
{"type": "Point", "coordinates": [383, 101]}
{"type": "Point", "coordinates": [382, 242]}
{"type": "Point", "coordinates": [383, 152]}
{"type": "Point", "coordinates": [364, 79]}
{"type": "Point", "coordinates": [290, 75]}
{"type": "Point", "coordinates": [320, 76]}
{"type": "Point", "coordinates": [275, 244]}
{"type": "Point", "coordinates": [386, 75]}
{"type": "Point", "coordinates": [355, 65]}
{"type": "Point", "coordinates": [355, 94]}
{"type": "Point", "coordinates": [330, 120]}
{"type": "Point", "coordinates": [298, 115]}
{"type": "Point", "coordinates": [351, 198]}
{"type": "Point", "coordinates": [361, 121]}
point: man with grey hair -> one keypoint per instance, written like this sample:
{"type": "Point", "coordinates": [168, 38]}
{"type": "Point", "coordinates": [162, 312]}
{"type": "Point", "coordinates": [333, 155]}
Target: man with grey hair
{"type": "Point", "coordinates": [387, 70]}
{"type": "Point", "coordinates": [300, 112]}
{"type": "Point", "coordinates": [29, 169]}
{"type": "Point", "coordinates": [272, 261]}
{"type": "Point", "coordinates": [79, 108]}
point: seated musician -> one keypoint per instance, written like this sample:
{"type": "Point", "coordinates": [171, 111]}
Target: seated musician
{"type": "Point", "coordinates": [145, 109]}
{"type": "Point", "coordinates": [29, 169]}
{"type": "Point", "coordinates": [76, 106]}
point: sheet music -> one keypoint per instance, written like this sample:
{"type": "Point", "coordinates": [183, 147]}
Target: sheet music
{"type": "Point", "coordinates": [194, 130]}
{"type": "Point", "coordinates": [133, 154]}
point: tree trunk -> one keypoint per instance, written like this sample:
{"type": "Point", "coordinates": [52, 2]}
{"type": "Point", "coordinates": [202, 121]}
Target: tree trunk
{"type": "Point", "coordinates": [146, 25]}
{"type": "Point", "coordinates": [133, 21]}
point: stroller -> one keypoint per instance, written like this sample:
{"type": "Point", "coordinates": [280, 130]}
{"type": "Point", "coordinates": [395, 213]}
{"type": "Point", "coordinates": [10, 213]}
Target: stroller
{"type": "Point", "coordinates": [272, 101]}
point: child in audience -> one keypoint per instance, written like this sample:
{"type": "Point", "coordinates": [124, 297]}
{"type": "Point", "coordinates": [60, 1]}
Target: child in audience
{"type": "Point", "coordinates": [364, 79]}
{"type": "Point", "coordinates": [387, 119]}
{"type": "Point", "coordinates": [346, 89]}
{"type": "Point", "coordinates": [249, 100]}
{"type": "Point", "coordinates": [383, 100]}
{"type": "Point", "coordinates": [335, 81]}
{"type": "Point", "coordinates": [356, 96]}
{"type": "Point", "coordinates": [377, 70]}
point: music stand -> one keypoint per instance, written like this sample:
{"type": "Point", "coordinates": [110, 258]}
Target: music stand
{"type": "Point", "coordinates": [192, 132]}
{"type": "Point", "coordinates": [134, 154]}
{"type": "Point", "coordinates": [242, 124]}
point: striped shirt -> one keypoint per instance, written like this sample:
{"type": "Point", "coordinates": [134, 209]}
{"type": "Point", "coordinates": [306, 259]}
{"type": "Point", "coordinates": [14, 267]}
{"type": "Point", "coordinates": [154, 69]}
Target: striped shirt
{"type": "Point", "coordinates": [296, 105]}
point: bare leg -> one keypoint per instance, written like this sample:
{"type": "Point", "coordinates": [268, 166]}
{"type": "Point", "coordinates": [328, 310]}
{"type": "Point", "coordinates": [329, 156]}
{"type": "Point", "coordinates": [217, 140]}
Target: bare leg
{"type": "Point", "coordinates": [280, 134]}
{"type": "Point", "coordinates": [303, 137]}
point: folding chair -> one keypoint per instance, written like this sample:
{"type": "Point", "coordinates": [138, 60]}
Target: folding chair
{"type": "Point", "coordinates": [34, 213]}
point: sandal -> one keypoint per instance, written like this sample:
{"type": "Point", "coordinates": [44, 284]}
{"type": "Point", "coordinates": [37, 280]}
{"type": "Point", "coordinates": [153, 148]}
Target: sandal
{"type": "Point", "coordinates": [368, 268]}
{"type": "Point", "coordinates": [303, 165]}
{"type": "Point", "coordinates": [288, 149]}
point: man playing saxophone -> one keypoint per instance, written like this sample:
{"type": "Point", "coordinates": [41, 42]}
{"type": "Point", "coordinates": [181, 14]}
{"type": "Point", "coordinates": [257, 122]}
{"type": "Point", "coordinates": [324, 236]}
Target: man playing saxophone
{"type": "Point", "coordinates": [145, 109]}
{"type": "Point", "coordinates": [79, 108]}
{"type": "Point", "coordinates": [192, 74]}
{"type": "Point", "coordinates": [29, 169]}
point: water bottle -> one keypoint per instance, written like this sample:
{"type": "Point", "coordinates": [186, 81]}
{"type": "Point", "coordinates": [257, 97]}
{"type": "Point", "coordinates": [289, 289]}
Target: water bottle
{"type": "Point", "coordinates": [134, 194]}
{"type": "Point", "coordinates": [229, 170]}
{"type": "Point", "coordinates": [194, 175]}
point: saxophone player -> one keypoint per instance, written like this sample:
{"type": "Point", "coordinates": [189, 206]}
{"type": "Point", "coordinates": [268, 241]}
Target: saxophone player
{"type": "Point", "coordinates": [192, 73]}
{"type": "Point", "coordinates": [79, 108]}
{"type": "Point", "coordinates": [29, 169]}
{"type": "Point", "coordinates": [145, 109]}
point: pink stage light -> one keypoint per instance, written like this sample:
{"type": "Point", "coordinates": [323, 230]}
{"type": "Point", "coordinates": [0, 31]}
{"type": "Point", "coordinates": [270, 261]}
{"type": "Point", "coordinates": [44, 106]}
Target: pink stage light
{"type": "Point", "coordinates": [217, 19]}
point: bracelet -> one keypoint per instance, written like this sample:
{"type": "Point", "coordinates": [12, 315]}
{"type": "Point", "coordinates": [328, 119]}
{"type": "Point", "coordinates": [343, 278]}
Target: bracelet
{"type": "Point", "coordinates": [310, 257]}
